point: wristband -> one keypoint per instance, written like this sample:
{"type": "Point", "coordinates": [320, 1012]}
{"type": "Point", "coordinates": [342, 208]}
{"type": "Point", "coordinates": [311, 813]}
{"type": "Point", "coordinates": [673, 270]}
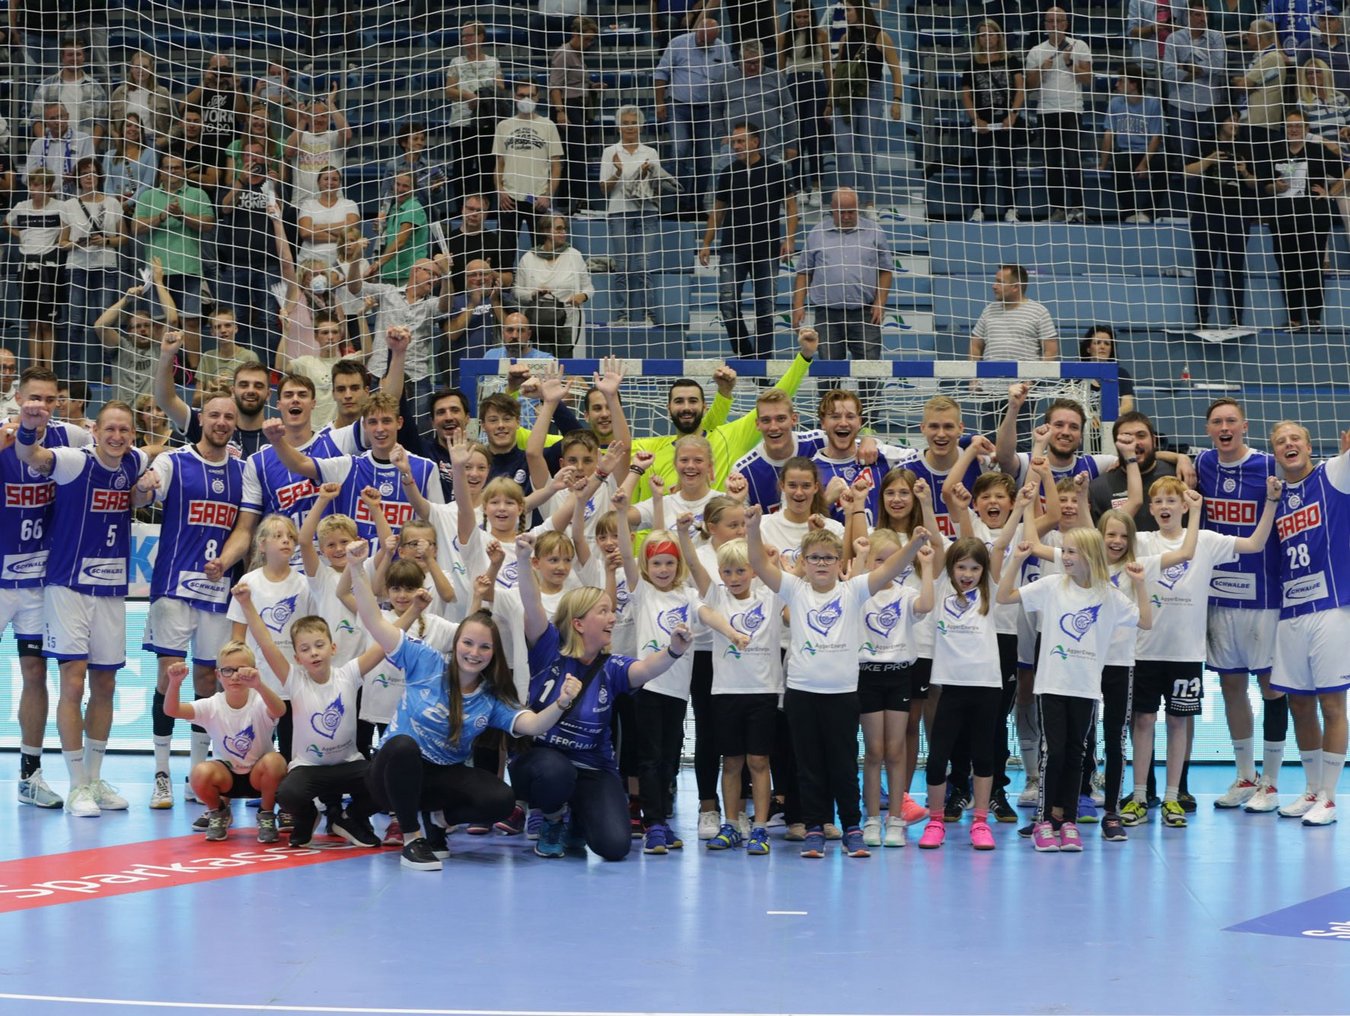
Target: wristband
{"type": "Point", "coordinates": [673, 656]}
{"type": "Point", "coordinates": [637, 470]}
{"type": "Point", "coordinates": [26, 435]}
{"type": "Point", "coordinates": [602, 474]}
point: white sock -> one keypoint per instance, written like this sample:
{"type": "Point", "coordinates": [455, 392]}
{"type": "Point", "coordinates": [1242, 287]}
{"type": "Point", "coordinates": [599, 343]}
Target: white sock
{"type": "Point", "coordinates": [93, 758]}
{"type": "Point", "coordinates": [1272, 757]}
{"type": "Point", "coordinates": [1312, 768]}
{"type": "Point", "coordinates": [1332, 764]}
{"type": "Point", "coordinates": [200, 747]}
{"type": "Point", "coordinates": [75, 766]}
{"type": "Point", "coordinates": [1171, 794]}
{"type": "Point", "coordinates": [1244, 754]}
{"type": "Point", "coordinates": [162, 743]}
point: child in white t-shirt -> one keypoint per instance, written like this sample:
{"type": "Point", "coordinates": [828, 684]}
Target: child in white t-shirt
{"type": "Point", "coordinates": [323, 555]}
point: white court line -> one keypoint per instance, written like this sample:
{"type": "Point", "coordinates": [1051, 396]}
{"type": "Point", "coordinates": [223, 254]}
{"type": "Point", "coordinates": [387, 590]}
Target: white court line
{"type": "Point", "coordinates": [238, 1007]}
{"type": "Point", "coordinates": [786, 913]}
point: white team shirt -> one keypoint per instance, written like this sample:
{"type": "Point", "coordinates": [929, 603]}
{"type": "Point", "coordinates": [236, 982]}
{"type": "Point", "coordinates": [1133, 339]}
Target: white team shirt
{"type": "Point", "coordinates": [324, 716]}
{"type": "Point", "coordinates": [239, 737]}
{"type": "Point", "coordinates": [279, 604]}
{"type": "Point", "coordinates": [674, 506]}
{"type": "Point", "coordinates": [826, 630]}
{"type": "Point", "coordinates": [965, 644]}
{"type": "Point", "coordinates": [777, 531]}
{"type": "Point", "coordinates": [890, 626]}
{"type": "Point", "coordinates": [1079, 625]}
{"type": "Point", "coordinates": [758, 668]}
{"type": "Point", "coordinates": [1180, 595]}
{"type": "Point", "coordinates": [348, 634]}
{"type": "Point", "coordinates": [655, 615]}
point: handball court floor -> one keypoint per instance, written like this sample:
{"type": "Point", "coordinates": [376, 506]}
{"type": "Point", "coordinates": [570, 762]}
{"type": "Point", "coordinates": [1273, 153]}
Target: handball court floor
{"type": "Point", "coordinates": [134, 913]}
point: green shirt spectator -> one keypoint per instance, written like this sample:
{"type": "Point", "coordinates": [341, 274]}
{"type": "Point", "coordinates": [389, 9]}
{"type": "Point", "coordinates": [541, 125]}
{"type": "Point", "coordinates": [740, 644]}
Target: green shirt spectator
{"type": "Point", "coordinates": [174, 214]}
{"type": "Point", "coordinates": [405, 232]}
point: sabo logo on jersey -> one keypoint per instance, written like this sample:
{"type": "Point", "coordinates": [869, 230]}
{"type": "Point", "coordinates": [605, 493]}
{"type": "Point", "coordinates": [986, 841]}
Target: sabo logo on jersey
{"type": "Point", "coordinates": [1080, 622]}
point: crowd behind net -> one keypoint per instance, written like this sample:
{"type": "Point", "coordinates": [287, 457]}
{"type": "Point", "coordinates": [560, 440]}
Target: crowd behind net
{"type": "Point", "coordinates": [1154, 167]}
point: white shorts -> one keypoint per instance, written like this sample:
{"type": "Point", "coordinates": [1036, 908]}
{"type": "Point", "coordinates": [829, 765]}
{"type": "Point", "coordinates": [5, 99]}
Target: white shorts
{"type": "Point", "coordinates": [23, 609]}
{"type": "Point", "coordinates": [1240, 640]}
{"type": "Point", "coordinates": [1312, 653]}
{"type": "Point", "coordinates": [172, 625]}
{"type": "Point", "coordinates": [84, 627]}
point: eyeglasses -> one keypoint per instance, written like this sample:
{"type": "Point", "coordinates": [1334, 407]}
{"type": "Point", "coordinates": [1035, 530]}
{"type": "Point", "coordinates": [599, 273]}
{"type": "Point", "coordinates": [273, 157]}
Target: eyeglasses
{"type": "Point", "coordinates": [227, 671]}
{"type": "Point", "coordinates": [821, 558]}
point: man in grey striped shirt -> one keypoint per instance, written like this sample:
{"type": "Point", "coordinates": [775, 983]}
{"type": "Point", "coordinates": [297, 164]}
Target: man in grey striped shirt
{"type": "Point", "coordinates": [1012, 327]}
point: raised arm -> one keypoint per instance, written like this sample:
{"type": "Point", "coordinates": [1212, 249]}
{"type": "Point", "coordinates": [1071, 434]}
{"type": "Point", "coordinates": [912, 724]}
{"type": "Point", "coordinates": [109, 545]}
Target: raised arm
{"type": "Point", "coordinates": [459, 458]}
{"type": "Point", "coordinates": [275, 658]}
{"type": "Point", "coordinates": [173, 704]}
{"type": "Point", "coordinates": [372, 619]}
{"type": "Point", "coordinates": [1007, 589]}
{"type": "Point", "coordinates": [1195, 504]}
{"type": "Point", "coordinates": [1127, 457]}
{"type": "Point", "coordinates": [308, 555]}
{"type": "Point", "coordinates": [881, 577]}
{"type": "Point", "coordinates": [166, 392]}
{"type": "Point", "coordinates": [552, 387]}
{"type": "Point", "coordinates": [33, 417]}
{"type": "Point", "coordinates": [696, 570]}
{"type": "Point", "coordinates": [1005, 441]}
{"type": "Point", "coordinates": [765, 570]}
{"type": "Point", "coordinates": [607, 382]}
{"type": "Point", "coordinates": [927, 594]}
{"type": "Point", "coordinates": [399, 458]}
{"type": "Point", "coordinates": [625, 535]}
{"type": "Point", "coordinates": [536, 620]}
{"type": "Point", "coordinates": [294, 460]}
{"type": "Point", "coordinates": [653, 665]}
{"type": "Point", "coordinates": [1258, 537]}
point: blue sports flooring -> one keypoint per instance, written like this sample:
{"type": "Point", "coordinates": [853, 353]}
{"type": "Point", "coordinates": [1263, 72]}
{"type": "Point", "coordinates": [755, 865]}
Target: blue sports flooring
{"type": "Point", "coordinates": [1213, 918]}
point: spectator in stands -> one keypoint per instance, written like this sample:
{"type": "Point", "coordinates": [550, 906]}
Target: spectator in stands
{"type": "Point", "coordinates": [1295, 20]}
{"type": "Point", "coordinates": [246, 252]}
{"type": "Point", "coordinates": [311, 297]}
{"type": "Point", "coordinates": [1195, 65]}
{"type": "Point", "coordinates": [39, 25]}
{"type": "Point", "coordinates": [517, 341]}
{"type": "Point", "coordinates": [330, 335]}
{"type": "Point", "coordinates": [1012, 327]}
{"type": "Point", "coordinates": [131, 165]}
{"type": "Point", "coordinates": [41, 227]}
{"type": "Point", "coordinates": [258, 130]}
{"type": "Point", "coordinates": [858, 99]}
{"type": "Point", "coordinates": [751, 94]}
{"type": "Point", "coordinates": [1304, 176]}
{"type": "Point", "coordinates": [203, 162]}
{"type": "Point", "coordinates": [686, 81]}
{"type": "Point", "coordinates": [551, 21]}
{"type": "Point", "coordinates": [9, 382]}
{"type": "Point", "coordinates": [319, 141]}
{"type": "Point", "coordinates": [529, 155]}
{"type": "Point", "coordinates": [472, 241]}
{"type": "Point", "coordinates": [274, 93]}
{"type": "Point", "coordinates": [675, 17]}
{"type": "Point", "coordinates": [72, 399]}
{"type": "Point", "coordinates": [404, 233]}
{"type": "Point", "coordinates": [753, 197]}
{"type": "Point", "coordinates": [1109, 489]}
{"type": "Point", "coordinates": [221, 101]}
{"type": "Point", "coordinates": [1263, 84]}
{"type": "Point", "coordinates": [173, 217]}
{"type": "Point", "coordinates": [429, 176]}
{"type": "Point", "coordinates": [993, 94]}
{"type": "Point", "coordinates": [128, 329]}
{"type": "Point", "coordinates": [571, 96]}
{"type": "Point", "coordinates": [1329, 46]}
{"type": "Point", "coordinates": [85, 100]}
{"type": "Point", "coordinates": [58, 149]}
{"type": "Point", "coordinates": [1326, 109]}
{"type": "Point", "coordinates": [475, 312]}
{"type": "Point", "coordinates": [1098, 345]}
{"type": "Point", "coordinates": [1221, 188]}
{"type": "Point", "coordinates": [153, 432]}
{"type": "Point", "coordinates": [325, 218]}
{"type": "Point", "coordinates": [1148, 23]}
{"type": "Point", "coordinates": [845, 274]}
{"type": "Point", "coordinates": [219, 362]}
{"type": "Point", "coordinates": [552, 284]}
{"type": "Point", "coordinates": [472, 83]}
{"type": "Point", "coordinates": [803, 56]}
{"type": "Point", "coordinates": [1058, 69]}
{"type": "Point", "coordinates": [1134, 127]}
{"type": "Point", "coordinates": [629, 174]}
{"type": "Point", "coordinates": [96, 235]}
{"type": "Point", "coordinates": [143, 95]}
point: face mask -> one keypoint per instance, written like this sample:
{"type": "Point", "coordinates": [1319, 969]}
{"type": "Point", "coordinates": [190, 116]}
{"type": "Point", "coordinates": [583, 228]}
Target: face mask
{"type": "Point", "coordinates": [525, 106]}
{"type": "Point", "coordinates": [318, 285]}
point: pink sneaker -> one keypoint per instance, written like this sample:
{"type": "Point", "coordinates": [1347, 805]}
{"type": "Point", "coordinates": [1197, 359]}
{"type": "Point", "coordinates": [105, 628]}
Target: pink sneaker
{"type": "Point", "coordinates": [933, 835]}
{"type": "Point", "coordinates": [1069, 840]}
{"type": "Point", "coordinates": [912, 812]}
{"type": "Point", "coordinates": [981, 838]}
{"type": "Point", "coordinates": [1043, 838]}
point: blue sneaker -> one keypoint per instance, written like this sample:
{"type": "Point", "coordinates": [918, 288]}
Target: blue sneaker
{"type": "Point", "coordinates": [656, 840]}
{"type": "Point", "coordinates": [814, 844]}
{"type": "Point", "coordinates": [728, 838]}
{"type": "Point", "coordinates": [758, 843]}
{"type": "Point", "coordinates": [853, 843]}
{"type": "Point", "coordinates": [534, 823]}
{"type": "Point", "coordinates": [550, 842]}
{"type": "Point", "coordinates": [1087, 811]}
{"type": "Point", "coordinates": [673, 842]}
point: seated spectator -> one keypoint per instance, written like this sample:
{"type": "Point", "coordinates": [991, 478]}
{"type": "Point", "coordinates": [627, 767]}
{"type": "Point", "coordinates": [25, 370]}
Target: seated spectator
{"type": "Point", "coordinates": [472, 84]}
{"type": "Point", "coordinates": [1098, 345]}
{"type": "Point", "coordinates": [1329, 46]}
{"type": "Point", "coordinates": [629, 173]}
{"type": "Point", "coordinates": [142, 95]}
{"type": "Point", "coordinates": [40, 225]}
{"type": "Point", "coordinates": [1195, 65]}
{"type": "Point", "coordinates": [528, 151]}
{"type": "Point", "coordinates": [219, 361]}
{"type": "Point", "coordinates": [1221, 188]}
{"type": "Point", "coordinates": [1326, 109]}
{"type": "Point", "coordinates": [475, 313]}
{"type": "Point", "coordinates": [96, 234]}
{"type": "Point", "coordinates": [320, 140]}
{"type": "Point", "coordinates": [1134, 126]}
{"type": "Point", "coordinates": [128, 329]}
{"type": "Point", "coordinates": [993, 93]}
{"type": "Point", "coordinates": [571, 99]}
{"type": "Point", "coordinates": [325, 219]}
{"type": "Point", "coordinates": [473, 241]}
{"type": "Point", "coordinates": [258, 130]}
{"type": "Point", "coordinates": [131, 165]}
{"type": "Point", "coordinates": [429, 176]}
{"type": "Point", "coordinates": [58, 149]}
{"type": "Point", "coordinates": [552, 282]}
{"type": "Point", "coordinates": [752, 94]}
{"type": "Point", "coordinates": [517, 341]}
{"type": "Point", "coordinates": [85, 100]}
{"type": "Point", "coordinates": [404, 233]}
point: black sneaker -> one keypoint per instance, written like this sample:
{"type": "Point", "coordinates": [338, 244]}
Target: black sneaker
{"type": "Point", "coordinates": [1187, 801]}
{"type": "Point", "coordinates": [418, 855]}
{"type": "Point", "coordinates": [436, 840]}
{"type": "Point", "coordinates": [1113, 829]}
{"type": "Point", "coordinates": [356, 831]}
{"type": "Point", "coordinates": [956, 807]}
{"type": "Point", "coordinates": [1003, 811]}
{"type": "Point", "coordinates": [1025, 831]}
{"type": "Point", "coordinates": [202, 821]}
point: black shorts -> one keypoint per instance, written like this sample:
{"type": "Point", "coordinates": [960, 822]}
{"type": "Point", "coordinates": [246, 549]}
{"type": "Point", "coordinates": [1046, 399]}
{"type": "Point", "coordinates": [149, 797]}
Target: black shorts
{"type": "Point", "coordinates": [920, 678]}
{"type": "Point", "coordinates": [1181, 686]}
{"type": "Point", "coordinates": [241, 785]}
{"type": "Point", "coordinates": [744, 724]}
{"type": "Point", "coordinates": [41, 285]}
{"type": "Point", "coordinates": [883, 687]}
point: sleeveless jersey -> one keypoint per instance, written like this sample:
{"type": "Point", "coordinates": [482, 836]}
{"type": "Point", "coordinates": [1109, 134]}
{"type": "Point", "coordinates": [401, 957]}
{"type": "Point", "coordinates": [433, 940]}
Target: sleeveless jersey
{"type": "Point", "coordinates": [200, 504]}
{"type": "Point", "coordinates": [1235, 495]}
{"type": "Point", "coordinates": [1313, 528]}
{"type": "Point", "coordinates": [269, 486]}
{"type": "Point", "coordinates": [360, 471]}
{"type": "Point", "coordinates": [25, 524]}
{"type": "Point", "coordinates": [935, 479]}
{"type": "Point", "coordinates": [92, 513]}
{"type": "Point", "coordinates": [762, 472]}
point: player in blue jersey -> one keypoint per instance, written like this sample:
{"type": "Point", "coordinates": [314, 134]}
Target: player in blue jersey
{"type": "Point", "coordinates": [200, 489]}
{"type": "Point", "coordinates": [380, 422]}
{"type": "Point", "coordinates": [1244, 601]}
{"type": "Point", "coordinates": [250, 389]}
{"type": "Point", "coordinates": [84, 603]}
{"type": "Point", "coordinates": [942, 426]}
{"type": "Point", "coordinates": [841, 419]}
{"type": "Point", "coordinates": [1312, 640]}
{"type": "Point", "coordinates": [25, 535]}
{"type": "Point", "coordinates": [776, 421]}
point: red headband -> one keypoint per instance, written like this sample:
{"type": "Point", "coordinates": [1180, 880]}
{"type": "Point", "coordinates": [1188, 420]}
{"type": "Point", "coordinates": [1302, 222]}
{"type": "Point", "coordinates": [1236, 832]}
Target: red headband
{"type": "Point", "coordinates": [655, 547]}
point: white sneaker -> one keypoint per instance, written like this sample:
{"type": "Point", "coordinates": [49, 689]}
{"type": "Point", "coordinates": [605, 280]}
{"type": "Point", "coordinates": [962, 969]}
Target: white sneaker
{"type": "Point", "coordinates": [1266, 798]}
{"type": "Point", "coordinates": [1061, 215]}
{"type": "Point", "coordinates": [1138, 219]}
{"type": "Point", "coordinates": [833, 832]}
{"type": "Point", "coordinates": [1076, 215]}
{"type": "Point", "coordinates": [1011, 216]}
{"type": "Point", "coordinates": [35, 791]}
{"type": "Point", "coordinates": [895, 831]}
{"type": "Point", "coordinates": [646, 321]}
{"type": "Point", "coordinates": [977, 215]}
{"type": "Point", "coordinates": [107, 797]}
{"type": "Point", "coordinates": [162, 796]}
{"type": "Point", "coordinates": [80, 802]}
{"type": "Point", "coordinates": [743, 825]}
{"type": "Point", "coordinates": [708, 824]}
{"type": "Point", "coordinates": [1300, 806]}
{"type": "Point", "coordinates": [1030, 796]}
{"type": "Point", "coordinates": [1322, 813]}
{"type": "Point", "coordinates": [872, 831]}
{"type": "Point", "coordinates": [1239, 792]}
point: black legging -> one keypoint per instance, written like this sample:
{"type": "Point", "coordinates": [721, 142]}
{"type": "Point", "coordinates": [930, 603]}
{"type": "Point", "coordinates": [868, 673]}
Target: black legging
{"type": "Point", "coordinates": [660, 731]}
{"type": "Point", "coordinates": [825, 738]}
{"type": "Point", "coordinates": [403, 781]}
{"type": "Point", "coordinates": [1219, 241]}
{"type": "Point", "coordinates": [549, 781]}
{"type": "Point", "coordinates": [1064, 727]}
{"type": "Point", "coordinates": [960, 754]}
{"type": "Point", "coordinates": [1301, 228]}
{"type": "Point", "coordinates": [975, 714]}
{"type": "Point", "coordinates": [707, 760]}
{"type": "Point", "coordinates": [303, 784]}
{"type": "Point", "coordinates": [1117, 684]}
